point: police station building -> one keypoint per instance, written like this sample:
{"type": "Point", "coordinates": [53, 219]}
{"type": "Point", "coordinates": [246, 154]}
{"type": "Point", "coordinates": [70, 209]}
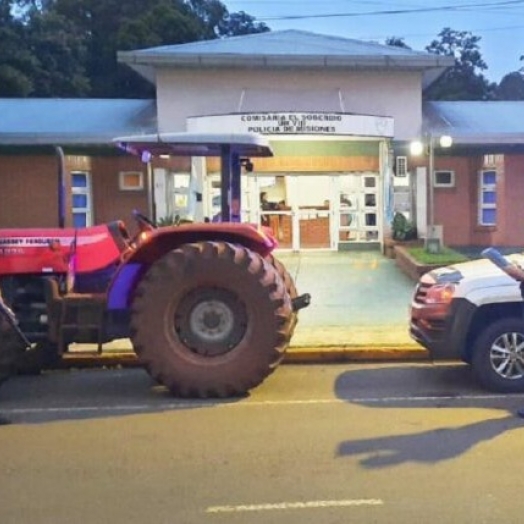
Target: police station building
{"type": "Point", "coordinates": [340, 115]}
{"type": "Point", "coordinates": [332, 109]}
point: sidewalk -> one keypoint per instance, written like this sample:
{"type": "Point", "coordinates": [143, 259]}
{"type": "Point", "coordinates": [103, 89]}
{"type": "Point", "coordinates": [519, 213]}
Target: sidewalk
{"type": "Point", "coordinates": [359, 308]}
{"type": "Point", "coordinates": [358, 311]}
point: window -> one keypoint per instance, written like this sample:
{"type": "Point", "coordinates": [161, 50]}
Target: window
{"type": "Point", "coordinates": [82, 200]}
{"type": "Point", "coordinates": [181, 183]}
{"type": "Point", "coordinates": [444, 179]}
{"type": "Point", "coordinates": [492, 160]}
{"type": "Point", "coordinates": [131, 180]}
{"type": "Point", "coordinates": [488, 198]}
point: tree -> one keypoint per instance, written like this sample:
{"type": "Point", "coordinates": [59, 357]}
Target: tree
{"type": "Point", "coordinates": [395, 41]}
{"type": "Point", "coordinates": [240, 23]}
{"type": "Point", "coordinates": [463, 81]}
{"type": "Point", "coordinates": [511, 87]}
{"type": "Point", "coordinates": [16, 60]}
{"type": "Point", "coordinates": [60, 55]}
{"type": "Point", "coordinates": [109, 26]}
{"type": "Point", "coordinates": [210, 13]}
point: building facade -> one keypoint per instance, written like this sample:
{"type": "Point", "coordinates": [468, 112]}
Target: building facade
{"type": "Point", "coordinates": [331, 108]}
{"type": "Point", "coordinates": [340, 116]}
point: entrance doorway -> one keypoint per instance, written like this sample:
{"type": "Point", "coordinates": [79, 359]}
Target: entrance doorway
{"type": "Point", "coordinates": [317, 211]}
{"type": "Point", "coordinates": [360, 209]}
{"type": "Point", "coordinates": [298, 209]}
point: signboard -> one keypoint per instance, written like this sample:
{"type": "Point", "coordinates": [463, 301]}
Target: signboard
{"type": "Point", "coordinates": [294, 123]}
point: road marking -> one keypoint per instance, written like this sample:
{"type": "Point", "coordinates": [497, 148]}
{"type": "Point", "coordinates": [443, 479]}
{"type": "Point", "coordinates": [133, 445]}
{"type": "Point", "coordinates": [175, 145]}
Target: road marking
{"type": "Point", "coordinates": [295, 505]}
{"type": "Point", "coordinates": [184, 404]}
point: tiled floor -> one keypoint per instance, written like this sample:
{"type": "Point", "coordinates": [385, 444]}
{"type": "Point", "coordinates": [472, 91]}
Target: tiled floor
{"type": "Point", "coordinates": [354, 295]}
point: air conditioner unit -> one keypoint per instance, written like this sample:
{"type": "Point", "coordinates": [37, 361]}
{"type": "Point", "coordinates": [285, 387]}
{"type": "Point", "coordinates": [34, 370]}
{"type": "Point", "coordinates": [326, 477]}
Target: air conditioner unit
{"type": "Point", "coordinates": [401, 166]}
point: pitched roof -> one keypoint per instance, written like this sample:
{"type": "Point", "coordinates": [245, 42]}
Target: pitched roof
{"type": "Point", "coordinates": [277, 49]}
{"type": "Point", "coordinates": [48, 121]}
{"type": "Point", "coordinates": [476, 122]}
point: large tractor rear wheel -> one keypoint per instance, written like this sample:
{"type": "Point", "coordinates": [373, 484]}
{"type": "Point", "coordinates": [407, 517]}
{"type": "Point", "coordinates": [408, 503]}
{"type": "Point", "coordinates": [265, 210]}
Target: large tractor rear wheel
{"type": "Point", "coordinates": [211, 319]}
{"type": "Point", "coordinates": [291, 289]}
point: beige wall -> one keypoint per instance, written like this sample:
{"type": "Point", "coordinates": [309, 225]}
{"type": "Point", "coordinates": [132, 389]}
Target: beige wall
{"type": "Point", "coordinates": [185, 93]}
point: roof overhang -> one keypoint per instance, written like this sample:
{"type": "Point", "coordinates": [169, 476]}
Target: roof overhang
{"type": "Point", "coordinates": [196, 144]}
{"type": "Point", "coordinates": [145, 62]}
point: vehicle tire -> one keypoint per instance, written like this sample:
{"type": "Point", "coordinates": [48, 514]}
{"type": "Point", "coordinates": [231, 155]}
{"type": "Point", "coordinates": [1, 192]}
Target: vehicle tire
{"type": "Point", "coordinates": [210, 319]}
{"type": "Point", "coordinates": [291, 289]}
{"type": "Point", "coordinates": [498, 357]}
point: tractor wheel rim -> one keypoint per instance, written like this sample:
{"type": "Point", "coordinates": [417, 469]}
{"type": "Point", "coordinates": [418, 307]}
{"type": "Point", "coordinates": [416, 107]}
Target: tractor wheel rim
{"type": "Point", "coordinates": [212, 320]}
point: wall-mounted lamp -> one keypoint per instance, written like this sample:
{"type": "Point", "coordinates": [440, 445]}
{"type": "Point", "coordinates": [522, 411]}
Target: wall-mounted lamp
{"type": "Point", "coordinates": [247, 164]}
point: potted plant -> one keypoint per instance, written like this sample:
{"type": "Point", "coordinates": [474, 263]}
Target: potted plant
{"type": "Point", "coordinates": [172, 220]}
{"type": "Point", "coordinates": [403, 229]}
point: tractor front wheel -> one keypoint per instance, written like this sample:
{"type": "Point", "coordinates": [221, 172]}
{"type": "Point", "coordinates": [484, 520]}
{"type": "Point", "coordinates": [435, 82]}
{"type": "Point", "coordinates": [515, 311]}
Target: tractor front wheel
{"type": "Point", "coordinates": [211, 319]}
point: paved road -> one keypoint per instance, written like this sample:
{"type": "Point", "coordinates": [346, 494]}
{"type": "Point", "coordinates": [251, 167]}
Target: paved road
{"type": "Point", "coordinates": [332, 444]}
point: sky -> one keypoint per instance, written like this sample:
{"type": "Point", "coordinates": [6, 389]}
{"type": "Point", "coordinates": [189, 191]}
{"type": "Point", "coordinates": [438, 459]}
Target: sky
{"type": "Point", "coordinates": [499, 23]}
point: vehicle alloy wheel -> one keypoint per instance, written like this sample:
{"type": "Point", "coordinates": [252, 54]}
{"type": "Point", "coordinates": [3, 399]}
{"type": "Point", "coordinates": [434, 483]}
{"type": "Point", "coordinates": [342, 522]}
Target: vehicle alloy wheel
{"type": "Point", "coordinates": [498, 359]}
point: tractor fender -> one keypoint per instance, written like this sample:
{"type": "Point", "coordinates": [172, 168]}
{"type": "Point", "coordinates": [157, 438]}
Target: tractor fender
{"type": "Point", "coordinates": [159, 242]}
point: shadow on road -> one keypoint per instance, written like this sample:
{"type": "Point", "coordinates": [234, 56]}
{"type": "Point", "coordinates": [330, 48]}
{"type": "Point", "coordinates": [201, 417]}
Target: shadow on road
{"type": "Point", "coordinates": [428, 446]}
{"type": "Point", "coordinates": [406, 381]}
{"type": "Point", "coordinates": [430, 387]}
{"type": "Point", "coordinates": [89, 394]}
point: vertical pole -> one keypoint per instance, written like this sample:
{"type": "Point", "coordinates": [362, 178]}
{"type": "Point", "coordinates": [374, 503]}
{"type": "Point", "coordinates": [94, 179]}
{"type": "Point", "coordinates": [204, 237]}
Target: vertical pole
{"type": "Point", "coordinates": [431, 232]}
{"type": "Point", "coordinates": [61, 187]}
{"type": "Point", "coordinates": [225, 182]}
{"type": "Point", "coordinates": [236, 188]}
{"type": "Point", "coordinates": [150, 192]}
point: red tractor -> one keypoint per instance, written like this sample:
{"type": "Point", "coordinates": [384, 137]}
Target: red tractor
{"type": "Point", "coordinates": [208, 308]}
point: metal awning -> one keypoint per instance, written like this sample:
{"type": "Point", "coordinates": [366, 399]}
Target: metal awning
{"type": "Point", "coordinates": [196, 144]}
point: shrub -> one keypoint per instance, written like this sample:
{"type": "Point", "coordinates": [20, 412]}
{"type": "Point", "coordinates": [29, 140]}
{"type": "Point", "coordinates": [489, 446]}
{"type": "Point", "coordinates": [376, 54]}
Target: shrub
{"type": "Point", "coordinates": [402, 228]}
{"type": "Point", "coordinates": [172, 220]}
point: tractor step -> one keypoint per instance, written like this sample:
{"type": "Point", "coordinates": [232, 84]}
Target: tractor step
{"type": "Point", "coordinates": [95, 359]}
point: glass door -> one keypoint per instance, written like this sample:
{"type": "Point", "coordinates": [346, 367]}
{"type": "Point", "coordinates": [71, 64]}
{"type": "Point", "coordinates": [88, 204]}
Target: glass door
{"type": "Point", "coordinates": [359, 215]}
{"type": "Point", "coordinates": [212, 204]}
{"type": "Point", "coordinates": [313, 206]}
{"type": "Point", "coordinates": [273, 209]}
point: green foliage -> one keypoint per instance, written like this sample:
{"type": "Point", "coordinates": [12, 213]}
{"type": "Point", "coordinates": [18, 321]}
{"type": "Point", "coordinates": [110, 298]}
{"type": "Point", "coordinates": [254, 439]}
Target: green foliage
{"type": "Point", "coordinates": [511, 87]}
{"type": "Point", "coordinates": [68, 48]}
{"type": "Point", "coordinates": [16, 59]}
{"type": "Point", "coordinates": [463, 81]}
{"type": "Point", "coordinates": [236, 24]}
{"type": "Point", "coordinates": [444, 257]}
{"type": "Point", "coordinates": [60, 54]}
{"type": "Point", "coordinates": [396, 41]}
{"type": "Point", "coordinates": [402, 228]}
{"type": "Point", "coordinates": [172, 220]}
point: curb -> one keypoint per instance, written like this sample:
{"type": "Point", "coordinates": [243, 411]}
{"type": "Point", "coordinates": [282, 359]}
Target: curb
{"type": "Point", "coordinates": [294, 355]}
{"type": "Point", "coordinates": [339, 354]}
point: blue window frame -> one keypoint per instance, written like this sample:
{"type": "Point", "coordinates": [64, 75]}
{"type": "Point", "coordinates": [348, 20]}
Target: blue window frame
{"type": "Point", "coordinates": [487, 198]}
{"type": "Point", "coordinates": [82, 199]}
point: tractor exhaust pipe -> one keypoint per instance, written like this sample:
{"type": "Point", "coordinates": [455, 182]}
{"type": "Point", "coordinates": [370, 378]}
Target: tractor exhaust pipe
{"type": "Point", "coordinates": [61, 187]}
